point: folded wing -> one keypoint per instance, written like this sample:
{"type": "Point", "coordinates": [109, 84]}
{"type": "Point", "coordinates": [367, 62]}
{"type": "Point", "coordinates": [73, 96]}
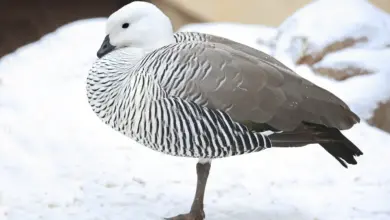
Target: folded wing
{"type": "Point", "coordinates": [250, 86]}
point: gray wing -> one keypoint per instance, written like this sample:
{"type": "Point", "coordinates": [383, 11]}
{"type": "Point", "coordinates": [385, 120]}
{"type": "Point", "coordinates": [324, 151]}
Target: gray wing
{"type": "Point", "coordinates": [248, 85]}
{"type": "Point", "coordinates": [181, 37]}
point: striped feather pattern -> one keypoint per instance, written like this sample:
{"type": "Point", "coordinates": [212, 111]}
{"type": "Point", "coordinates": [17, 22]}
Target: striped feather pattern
{"type": "Point", "coordinates": [133, 100]}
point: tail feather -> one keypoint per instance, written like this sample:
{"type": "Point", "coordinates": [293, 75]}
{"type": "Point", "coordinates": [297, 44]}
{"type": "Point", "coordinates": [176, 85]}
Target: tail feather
{"type": "Point", "coordinates": [331, 139]}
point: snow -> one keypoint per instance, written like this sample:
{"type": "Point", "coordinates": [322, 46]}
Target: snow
{"type": "Point", "coordinates": [58, 161]}
{"type": "Point", "coordinates": [333, 21]}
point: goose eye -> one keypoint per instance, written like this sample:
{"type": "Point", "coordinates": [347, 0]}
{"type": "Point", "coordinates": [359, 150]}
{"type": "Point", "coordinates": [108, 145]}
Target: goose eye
{"type": "Point", "coordinates": [125, 25]}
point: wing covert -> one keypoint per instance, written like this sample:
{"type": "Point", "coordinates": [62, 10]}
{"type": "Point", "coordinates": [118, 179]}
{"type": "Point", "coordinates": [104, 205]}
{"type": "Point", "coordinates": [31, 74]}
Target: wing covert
{"type": "Point", "coordinates": [247, 87]}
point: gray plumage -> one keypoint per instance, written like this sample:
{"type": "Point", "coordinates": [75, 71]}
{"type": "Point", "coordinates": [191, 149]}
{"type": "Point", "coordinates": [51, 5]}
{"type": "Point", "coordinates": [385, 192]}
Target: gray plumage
{"type": "Point", "coordinates": [207, 97]}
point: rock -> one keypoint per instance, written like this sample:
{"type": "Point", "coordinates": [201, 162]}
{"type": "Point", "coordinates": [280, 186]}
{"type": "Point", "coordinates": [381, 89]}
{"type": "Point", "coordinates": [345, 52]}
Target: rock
{"type": "Point", "coordinates": [312, 58]}
{"type": "Point", "coordinates": [381, 116]}
{"type": "Point", "coordinates": [343, 73]}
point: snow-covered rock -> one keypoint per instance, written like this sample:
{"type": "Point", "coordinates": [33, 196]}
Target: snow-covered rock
{"type": "Point", "coordinates": [325, 26]}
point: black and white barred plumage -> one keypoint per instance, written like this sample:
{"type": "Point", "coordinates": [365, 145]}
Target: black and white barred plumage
{"type": "Point", "coordinates": [132, 98]}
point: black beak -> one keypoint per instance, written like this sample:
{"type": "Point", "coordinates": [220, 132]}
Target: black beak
{"type": "Point", "coordinates": [105, 48]}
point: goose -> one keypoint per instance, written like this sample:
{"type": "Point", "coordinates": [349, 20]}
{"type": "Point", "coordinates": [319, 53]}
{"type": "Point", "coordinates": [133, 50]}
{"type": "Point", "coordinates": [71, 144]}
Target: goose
{"type": "Point", "coordinates": [197, 95]}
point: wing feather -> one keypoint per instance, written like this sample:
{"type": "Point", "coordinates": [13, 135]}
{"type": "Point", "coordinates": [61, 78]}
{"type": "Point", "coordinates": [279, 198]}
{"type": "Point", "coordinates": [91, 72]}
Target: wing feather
{"type": "Point", "coordinates": [247, 84]}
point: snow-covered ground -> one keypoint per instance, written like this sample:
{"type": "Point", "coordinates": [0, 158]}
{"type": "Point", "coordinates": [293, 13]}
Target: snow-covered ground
{"type": "Point", "coordinates": [58, 161]}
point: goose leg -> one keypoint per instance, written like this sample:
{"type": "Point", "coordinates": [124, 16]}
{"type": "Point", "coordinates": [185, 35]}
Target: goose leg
{"type": "Point", "coordinates": [196, 212]}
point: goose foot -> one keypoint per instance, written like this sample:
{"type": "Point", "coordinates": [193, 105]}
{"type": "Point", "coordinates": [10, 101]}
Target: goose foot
{"type": "Point", "coordinates": [190, 216]}
{"type": "Point", "coordinates": [197, 213]}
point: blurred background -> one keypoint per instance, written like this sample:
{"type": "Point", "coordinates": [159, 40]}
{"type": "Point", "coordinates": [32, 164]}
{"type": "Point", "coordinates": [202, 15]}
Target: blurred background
{"type": "Point", "coordinates": [26, 21]}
